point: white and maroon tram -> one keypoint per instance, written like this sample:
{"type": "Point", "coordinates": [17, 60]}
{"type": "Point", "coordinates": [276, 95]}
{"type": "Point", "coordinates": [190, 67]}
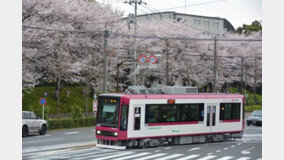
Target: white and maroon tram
{"type": "Point", "coordinates": [142, 120]}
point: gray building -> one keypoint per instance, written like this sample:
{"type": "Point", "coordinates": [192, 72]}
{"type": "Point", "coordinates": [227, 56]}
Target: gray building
{"type": "Point", "coordinates": [209, 25]}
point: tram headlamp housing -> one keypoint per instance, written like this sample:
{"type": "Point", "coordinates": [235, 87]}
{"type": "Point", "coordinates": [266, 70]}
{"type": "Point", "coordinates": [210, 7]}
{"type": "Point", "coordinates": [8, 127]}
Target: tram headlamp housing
{"type": "Point", "coordinates": [98, 132]}
{"type": "Point", "coordinates": [115, 133]}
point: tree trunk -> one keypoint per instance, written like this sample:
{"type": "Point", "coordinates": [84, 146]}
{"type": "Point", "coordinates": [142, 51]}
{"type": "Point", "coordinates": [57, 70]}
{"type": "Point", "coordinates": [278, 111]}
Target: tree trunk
{"type": "Point", "coordinates": [86, 99]}
{"type": "Point", "coordinates": [255, 80]}
{"type": "Point", "coordinates": [58, 88]}
{"type": "Point", "coordinates": [167, 61]}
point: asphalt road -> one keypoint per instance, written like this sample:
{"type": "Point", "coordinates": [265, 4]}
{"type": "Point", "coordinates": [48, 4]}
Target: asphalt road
{"type": "Point", "coordinates": [59, 137]}
{"type": "Point", "coordinates": [40, 147]}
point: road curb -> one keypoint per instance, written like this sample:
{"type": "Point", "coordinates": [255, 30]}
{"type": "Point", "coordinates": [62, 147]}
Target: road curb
{"type": "Point", "coordinates": [59, 147]}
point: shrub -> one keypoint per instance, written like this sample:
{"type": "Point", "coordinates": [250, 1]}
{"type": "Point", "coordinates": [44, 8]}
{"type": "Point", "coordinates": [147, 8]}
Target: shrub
{"type": "Point", "coordinates": [76, 111]}
{"type": "Point", "coordinates": [252, 108]}
{"type": "Point", "coordinates": [71, 122]}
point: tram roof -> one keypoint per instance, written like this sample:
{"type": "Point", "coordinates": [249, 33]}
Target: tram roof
{"type": "Point", "coordinates": [175, 96]}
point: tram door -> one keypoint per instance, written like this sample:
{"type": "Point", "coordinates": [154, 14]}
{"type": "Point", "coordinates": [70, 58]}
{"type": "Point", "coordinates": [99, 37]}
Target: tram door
{"type": "Point", "coordinates": [211, 116]}
{"type": "Point", "coordinates": [137, 118]}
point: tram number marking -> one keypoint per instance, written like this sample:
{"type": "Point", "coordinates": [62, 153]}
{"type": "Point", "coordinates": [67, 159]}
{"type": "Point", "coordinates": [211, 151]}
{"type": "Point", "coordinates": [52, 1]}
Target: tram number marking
{"type": "Point", "coordinates": [154, 128]}
{"type": "Point", "coordinates": [174, 130]}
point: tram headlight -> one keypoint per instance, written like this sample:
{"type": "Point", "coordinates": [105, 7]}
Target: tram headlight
{"type": "Point", "coordinates": [98, 132]}
{"type": "Point", "coordinates": [115, 133]}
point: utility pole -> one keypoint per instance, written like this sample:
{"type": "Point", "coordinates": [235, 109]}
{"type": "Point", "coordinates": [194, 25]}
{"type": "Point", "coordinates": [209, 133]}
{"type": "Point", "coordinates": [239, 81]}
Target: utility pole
{"type": "Point", "coordinates": [167, 61]}
{"type": "Point", "coordinates": [135, 40]}
{"type": "Point", "coordinates": [215, 65]}
{"type": "Point", "coordinates": [135, 34]}
{"type": "Point", "coordinates": [106, 34]}
{"type": "Point", "coordinates": [242, 76]}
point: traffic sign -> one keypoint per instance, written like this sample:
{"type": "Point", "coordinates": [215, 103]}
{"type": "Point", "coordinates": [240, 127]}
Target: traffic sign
{"type": "Point", "coordinates": [152, 59]}
{"type": "Point", "coordinates": [42, 101]}
{"type": "Point", "coordinates": [95, 106]}
{"type": "Point", "coordinates": [142, 59]}
{"type": "Point", "coordinates": [152, 66]}
{"type": "Point", "coordinates": [142, 66]}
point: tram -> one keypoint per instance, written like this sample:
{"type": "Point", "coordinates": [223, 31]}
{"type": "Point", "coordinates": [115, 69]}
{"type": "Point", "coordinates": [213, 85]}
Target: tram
{"type": "Point", "coordinates": [150, 120]}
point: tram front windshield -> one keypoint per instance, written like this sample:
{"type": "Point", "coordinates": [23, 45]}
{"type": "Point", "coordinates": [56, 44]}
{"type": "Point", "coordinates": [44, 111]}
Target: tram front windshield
{"type": "Point", "coordinates": [108, 112]}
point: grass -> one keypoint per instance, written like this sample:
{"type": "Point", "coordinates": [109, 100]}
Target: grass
{"type": "Point", "coordinates": [76, 98]}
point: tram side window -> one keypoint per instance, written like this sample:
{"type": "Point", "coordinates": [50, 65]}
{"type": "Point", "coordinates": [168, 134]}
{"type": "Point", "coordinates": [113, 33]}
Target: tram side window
{"type": "Point", "coordinates": [163, 113]}
{"type": "Point", "coordinates": [230, 111]}
{"type": "Point", "coordinates": [124, 117]}
{"type": "Point", "coordinates": [156, 113]}
{"type": "Point", "coordinates": [192, 112]}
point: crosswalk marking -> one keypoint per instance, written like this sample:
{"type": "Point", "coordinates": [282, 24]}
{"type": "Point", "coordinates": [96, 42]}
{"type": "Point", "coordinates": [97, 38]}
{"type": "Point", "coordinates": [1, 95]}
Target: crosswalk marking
{"type": "Point", "coordinates": [113, 156]}
{"type": "Point", "coordinates": [188, 157]}
{"type": "Point", "coordinates": [152, 156]}
{"type": "Point", "coordinates": [132, 156]}
{"type": "Point", "coordinates": [206, 158]}
{"type": "Point", "coordinates": [170, 157]}
{"type": "Point", "coordinates": [243, 158]}
{"type": "Point", "coordinates": [225, 158]}
{"type": "Point", "coordinates": [193, 149]}
{"type": "Point", "coordinates": [93, 153]}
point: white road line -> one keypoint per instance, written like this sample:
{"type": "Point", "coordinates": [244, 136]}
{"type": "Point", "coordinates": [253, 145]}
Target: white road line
{"type": "Point", "coordinates": [40, 136]}
{"type": "Point", "coordinates": [113, 156]}
{"type": "Point", "coordinates": [239, 144]}
{"type": "Point", "coordinates": [170, 157]}
{"type": "Point", "coordinates": [218, 151]}
{"type": "Point", "coordinates": [132, 156]}
{"type": "Point", "coordinates": [225, 148]}
{"type": "Point", "coordinates": [245, 152]}
{"type": "Point", "coordinates": [206, 158]}
{"type": "Point", "coordinates": [157, 150]}
{"type": "Point", "coordinates": [209, 154]}
{"type": "Point", "coordinates": [259, 159]}
{"type": "Point", "coordinates": [251, 135]}
{"type": "Point", "coordinates": [193, 149]}
{"type": "Point", "coordinates": [167, 148]}
{"type": "Point", "coordinates": [71, 132]}
{"type": "Point", "coordinates": [47, 140]}
{"type": "Point", "coordinates": [152, 156]}
{"type": "Point", "coordinates": [244, 158]}
{"type": "Point", "coordinates": [225, 158]}
{"type": "Point", "coordinates": [233, 146]}
{"type": "Point", "coordinates": [188, 157]}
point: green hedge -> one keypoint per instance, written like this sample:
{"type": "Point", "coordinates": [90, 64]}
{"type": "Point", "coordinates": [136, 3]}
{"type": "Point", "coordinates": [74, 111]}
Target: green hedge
{"type": "Point", "coordinates": [71, 122]}
{"type": "Point", "coordinates": [252, 108]}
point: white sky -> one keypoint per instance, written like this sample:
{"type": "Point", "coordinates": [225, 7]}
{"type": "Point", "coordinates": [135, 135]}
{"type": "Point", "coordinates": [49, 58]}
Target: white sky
{"type": "Point", "coordinates": [238, 12]}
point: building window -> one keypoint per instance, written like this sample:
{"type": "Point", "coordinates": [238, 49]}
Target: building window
{"type": "Point", "coordinates": [206, 24]}
{"type": "Point", "coordinates": [179, 19]}
{"type": "Point", "coordinates": [215, 26]}
{"type": "Point", "coordinates": [229, 111]}
{"type": "Point", "coordinates": [196, 22]}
